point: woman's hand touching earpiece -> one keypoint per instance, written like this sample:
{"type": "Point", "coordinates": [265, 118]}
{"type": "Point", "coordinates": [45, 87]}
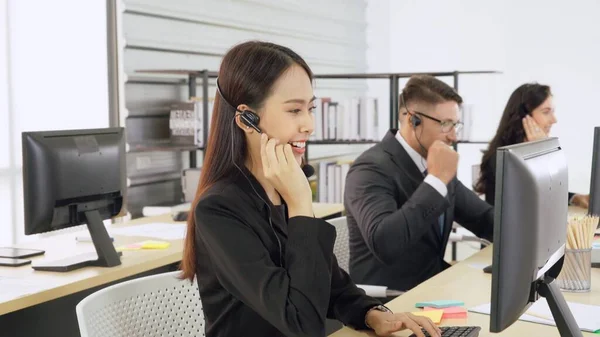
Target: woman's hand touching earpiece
{"type": "Point", "coordinates": [282, 170]}
{"type": "Point", "coordinates": [532, 129]}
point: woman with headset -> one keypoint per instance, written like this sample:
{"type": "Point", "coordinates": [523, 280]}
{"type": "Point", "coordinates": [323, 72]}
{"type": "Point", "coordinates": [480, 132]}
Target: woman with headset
{"type": "Point", "coordinates": [529, 115]}
{"type": "Point", "coordinates": [264, 264]}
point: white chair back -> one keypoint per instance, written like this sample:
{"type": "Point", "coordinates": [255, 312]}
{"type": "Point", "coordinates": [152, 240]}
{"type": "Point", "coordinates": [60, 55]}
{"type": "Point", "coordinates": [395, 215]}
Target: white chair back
{"type": "Point", "coordinates": [152, 306]}
{"type": "Point", "coordinates": [341, 246]}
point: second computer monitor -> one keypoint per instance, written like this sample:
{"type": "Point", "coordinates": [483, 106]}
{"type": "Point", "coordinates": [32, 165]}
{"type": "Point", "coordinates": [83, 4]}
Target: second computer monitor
{"type": "Point", "coordinates": [595, 181]}
{"type": "Point", "coordinates": [74, 177]}
{"type": "Point", "coordinates": [530, 226]}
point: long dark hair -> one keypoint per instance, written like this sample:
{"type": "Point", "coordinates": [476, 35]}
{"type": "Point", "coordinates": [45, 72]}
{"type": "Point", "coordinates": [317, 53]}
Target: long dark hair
{"type": "Point", "coordinates": [246, 76]}
{"type": "Point", "coordinates": [521, 103]}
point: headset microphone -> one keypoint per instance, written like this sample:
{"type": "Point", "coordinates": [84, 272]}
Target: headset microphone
{"type": "Point", "coordinates": [308, 170]}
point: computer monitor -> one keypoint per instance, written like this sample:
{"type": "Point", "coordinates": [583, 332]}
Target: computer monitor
{"type": "Point", "coordinates": [530, 230]}
{"type": "Point", "coordinates": [594, 208]}
{"type": "Point", "coordinates": [73, 177]}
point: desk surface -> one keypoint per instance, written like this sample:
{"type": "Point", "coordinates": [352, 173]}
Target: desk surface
{"type": "Point", "coordinates": [133, 262]}
{"type": "Point", "coordinates": [323, 210]}
{"type": "Point", "coordinates": [466, 282]}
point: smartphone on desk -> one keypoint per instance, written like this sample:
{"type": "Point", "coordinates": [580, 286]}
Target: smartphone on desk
{"type": "Point", "coordinates": [10, 262]}
{"type": "Point", "coordinates": [19, 252]}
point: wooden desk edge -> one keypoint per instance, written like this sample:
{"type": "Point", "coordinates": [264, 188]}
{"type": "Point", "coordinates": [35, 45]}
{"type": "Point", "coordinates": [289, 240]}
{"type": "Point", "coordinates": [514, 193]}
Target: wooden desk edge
{"type": "Point", "coordinates": [108, 275]}
{"type": "Point", "coordinates": [112, 274]}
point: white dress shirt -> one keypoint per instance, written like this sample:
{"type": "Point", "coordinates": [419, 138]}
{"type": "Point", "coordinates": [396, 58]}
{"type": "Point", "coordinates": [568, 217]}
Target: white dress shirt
{"type": "Point", "coordinates": [421, 163]}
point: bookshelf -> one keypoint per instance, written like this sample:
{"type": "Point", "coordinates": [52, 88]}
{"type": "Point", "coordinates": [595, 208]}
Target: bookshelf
{"type": "Point", "coordinates": [193, 78]}
{"type": "Point", "coordinates": [394, 94]}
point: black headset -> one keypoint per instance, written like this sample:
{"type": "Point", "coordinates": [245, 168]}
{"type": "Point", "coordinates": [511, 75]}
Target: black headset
{"type": "Point", "coordinates": [250, 119]}
{"type": "Point", "coordinates": [413, 119]}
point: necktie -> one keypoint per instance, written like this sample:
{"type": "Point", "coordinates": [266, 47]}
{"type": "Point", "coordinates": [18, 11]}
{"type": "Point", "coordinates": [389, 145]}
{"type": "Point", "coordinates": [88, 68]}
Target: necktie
{"type": "Point", "coordinates": [442, 217]}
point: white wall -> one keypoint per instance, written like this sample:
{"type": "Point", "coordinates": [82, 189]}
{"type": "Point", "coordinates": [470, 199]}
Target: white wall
{"type": "Point", "coordinates": [379, 57]}
{"type": "Point", "coordinates": [556, 43]}
{"type": "Point", "coordinates": [53, 76]}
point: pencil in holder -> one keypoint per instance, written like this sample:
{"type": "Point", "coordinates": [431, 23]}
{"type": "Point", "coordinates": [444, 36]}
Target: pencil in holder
{"type": "Point", "coordinates": [576, 272]}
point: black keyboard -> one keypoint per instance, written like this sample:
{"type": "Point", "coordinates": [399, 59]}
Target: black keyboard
{"type": "Point", "coordinates": [456, 331]}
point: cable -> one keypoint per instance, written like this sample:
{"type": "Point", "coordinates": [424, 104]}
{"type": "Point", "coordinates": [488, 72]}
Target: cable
{"type": "Point", "coordinates": [422, 147]}
{"type": "Point", "coordinates": [281, 262]}
{"type": "Point", "coordinates": [220, 93]}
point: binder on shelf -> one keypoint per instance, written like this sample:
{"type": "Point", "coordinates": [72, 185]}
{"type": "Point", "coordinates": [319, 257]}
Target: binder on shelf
{"type": "Point", "coordinates": [189, 182]}
{"type": "Point", "coordinates": [186, 122]}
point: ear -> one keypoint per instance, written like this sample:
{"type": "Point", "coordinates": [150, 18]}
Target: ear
{"type": "Point", "coordinates": [243, 107]}
{"type": "Point", "coordinates": [402, 116]}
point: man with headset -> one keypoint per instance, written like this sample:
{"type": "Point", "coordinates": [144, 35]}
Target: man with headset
{"type": "Point", "coordinates": [402, 195]}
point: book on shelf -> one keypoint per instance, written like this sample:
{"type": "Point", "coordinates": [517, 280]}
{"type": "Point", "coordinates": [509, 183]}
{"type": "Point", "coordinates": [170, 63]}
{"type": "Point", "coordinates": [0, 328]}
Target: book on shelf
{"type": "Point", "coordinates": [331, 181]}
{"type": "Point", "coordinates": [186, 122]}
{"type": "Point", "coordinates": [347, 119]}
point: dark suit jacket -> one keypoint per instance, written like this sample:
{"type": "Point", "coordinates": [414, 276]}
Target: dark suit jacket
{"type": "Point", "coordinates": [395, 237]}
{"type": "Point", "coordinates": [490, 185]}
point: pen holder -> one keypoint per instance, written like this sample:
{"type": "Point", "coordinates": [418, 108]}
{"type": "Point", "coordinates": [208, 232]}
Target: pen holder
{"type": "Point", "coordinates": [576, 273]}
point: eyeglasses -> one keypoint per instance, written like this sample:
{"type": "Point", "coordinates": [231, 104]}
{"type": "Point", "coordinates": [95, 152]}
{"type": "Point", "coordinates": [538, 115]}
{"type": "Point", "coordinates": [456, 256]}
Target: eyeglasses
{"type": "Point", "coordinates": [447, 126]}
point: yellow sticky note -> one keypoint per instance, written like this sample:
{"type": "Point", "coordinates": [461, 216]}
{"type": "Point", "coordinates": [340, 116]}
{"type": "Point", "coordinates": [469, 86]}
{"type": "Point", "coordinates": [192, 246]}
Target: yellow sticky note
{"type": "Point", "coordinates": [434, 315]}
{"type": "Point", "coordinates": [149, 244]}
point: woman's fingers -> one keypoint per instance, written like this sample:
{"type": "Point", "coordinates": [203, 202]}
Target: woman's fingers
{"type": "Point", "coordinates": [263, 153]}
{"type": "Point", "coordinates": [281, 159]}
{"type": "Point", "coordinates": [272, 156]}
{"type": "Point", "coordinates": [527, 129]}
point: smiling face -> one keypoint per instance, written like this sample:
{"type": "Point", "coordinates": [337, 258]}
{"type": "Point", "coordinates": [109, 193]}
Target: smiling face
{"type": "Point", "coordinates": [287, 113]}
{"type": "Point", "coordinates": [544, 115]}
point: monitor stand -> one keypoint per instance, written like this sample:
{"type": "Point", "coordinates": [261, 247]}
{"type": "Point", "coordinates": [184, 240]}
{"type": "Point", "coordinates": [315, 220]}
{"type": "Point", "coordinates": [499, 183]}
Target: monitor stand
{"type": "Point", "coordinates": [106, 254]}
{"type": "Point", "coordinates": [565, 322]}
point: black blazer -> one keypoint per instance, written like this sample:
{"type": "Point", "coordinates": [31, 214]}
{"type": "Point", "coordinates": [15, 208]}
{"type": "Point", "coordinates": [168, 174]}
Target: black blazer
{"type": "Point", "coordinates": [394, 232]}
{"type": "Point", "coordinates": [248, 287]}
{"type": "Point", "coordinates": [490, 185]}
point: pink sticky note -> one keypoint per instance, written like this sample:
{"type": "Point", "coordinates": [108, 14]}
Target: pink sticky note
{"type": "Point", "coordinates": [451, 312]}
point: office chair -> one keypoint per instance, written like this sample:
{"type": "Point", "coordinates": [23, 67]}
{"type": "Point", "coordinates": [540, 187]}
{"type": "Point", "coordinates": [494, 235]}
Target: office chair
{"type": "Point", "coordinates": [475, 173]}
{"type": "Point", "coordinates": [342, 253]}
{"type": "Point", "coordinates": [455, 237]}
{"type": "Point", "coordinates": [152, 306]}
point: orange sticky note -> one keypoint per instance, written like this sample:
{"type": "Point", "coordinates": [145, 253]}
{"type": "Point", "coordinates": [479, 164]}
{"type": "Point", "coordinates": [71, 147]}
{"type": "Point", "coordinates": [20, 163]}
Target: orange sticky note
{"type": "Point", "coordinates": [434, 315]}
{"type": "Point", "coordinates": [451, 312]}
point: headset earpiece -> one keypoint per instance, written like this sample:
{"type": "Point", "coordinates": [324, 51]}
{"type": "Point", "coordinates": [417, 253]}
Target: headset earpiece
{"type": "Point", "coordinates": [250, 119]}
{"type": "Point", "coordinates": [415, 120]}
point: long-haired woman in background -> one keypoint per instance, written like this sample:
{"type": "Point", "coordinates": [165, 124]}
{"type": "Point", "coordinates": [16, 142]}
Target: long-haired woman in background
{"type": "Point", "coordinates": [528, 116]}
{"type": "Point", "coordinates": [264, 264]}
